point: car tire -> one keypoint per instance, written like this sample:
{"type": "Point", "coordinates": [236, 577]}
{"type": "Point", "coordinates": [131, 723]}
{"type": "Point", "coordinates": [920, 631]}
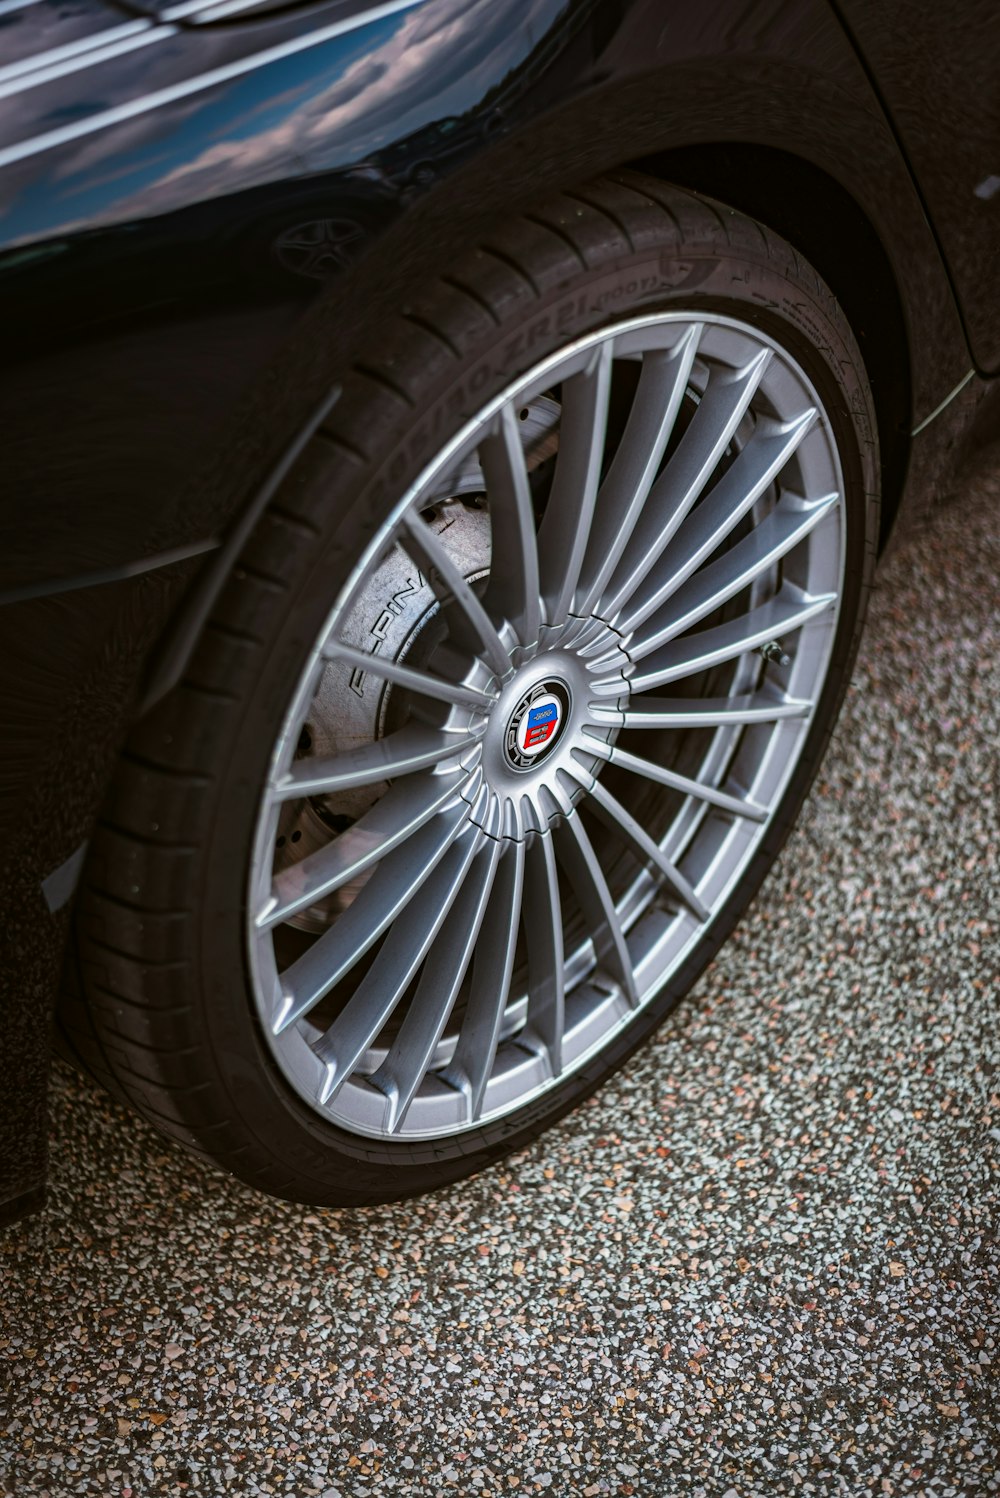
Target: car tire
{"type": "Point", "coordinates": [623, 293]}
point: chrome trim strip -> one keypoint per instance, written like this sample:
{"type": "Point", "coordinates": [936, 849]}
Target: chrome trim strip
{"type": "Point", "coordinates": [210, 8]}
{"type": "Point", "coordinates": [946, 402]}
{"type": "Point", "coordinates": [9, 5]}
{"type": "Point", "coordinates": [47, 63]}
{"type": "Point", "coordinates": [134, 107]}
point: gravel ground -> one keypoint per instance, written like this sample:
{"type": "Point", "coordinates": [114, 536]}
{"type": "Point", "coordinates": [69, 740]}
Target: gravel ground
{"type": "Point", "coordinates": [763, 1261]}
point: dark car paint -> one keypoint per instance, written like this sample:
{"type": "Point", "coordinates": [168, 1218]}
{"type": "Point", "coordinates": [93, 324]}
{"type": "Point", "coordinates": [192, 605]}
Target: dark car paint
{"type": "Point", "coordinates": [946, 74]}
{"type": "Point", "coordinates": [158, 362]}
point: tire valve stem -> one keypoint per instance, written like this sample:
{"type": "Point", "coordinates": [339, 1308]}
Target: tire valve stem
{"type": "Point", "coordinates": [772, 651]}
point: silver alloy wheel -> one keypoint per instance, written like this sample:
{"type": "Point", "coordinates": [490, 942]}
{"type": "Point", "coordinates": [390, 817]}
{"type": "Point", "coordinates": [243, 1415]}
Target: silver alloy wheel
{"type": "Point", "coordinates": [492, 831]}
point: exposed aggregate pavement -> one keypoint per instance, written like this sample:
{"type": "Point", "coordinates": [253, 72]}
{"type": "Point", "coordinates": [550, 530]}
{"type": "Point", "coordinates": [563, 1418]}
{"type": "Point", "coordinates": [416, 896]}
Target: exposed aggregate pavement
{"type": "Point", "coordinates": [762, 1261]}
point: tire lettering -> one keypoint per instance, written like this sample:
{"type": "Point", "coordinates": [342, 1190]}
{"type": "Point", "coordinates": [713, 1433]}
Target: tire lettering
{"type": "Point", "coordinates": [539, 329]}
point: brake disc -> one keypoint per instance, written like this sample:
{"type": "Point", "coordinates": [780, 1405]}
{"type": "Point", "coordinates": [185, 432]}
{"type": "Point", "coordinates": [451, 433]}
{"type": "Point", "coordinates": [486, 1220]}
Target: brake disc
{"type": "Point", "coordinates": [396, 611]}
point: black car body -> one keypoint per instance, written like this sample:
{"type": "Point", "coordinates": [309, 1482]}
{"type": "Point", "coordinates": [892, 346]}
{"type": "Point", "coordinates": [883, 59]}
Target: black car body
{"type": "Point", "coordinates": [192, 196]}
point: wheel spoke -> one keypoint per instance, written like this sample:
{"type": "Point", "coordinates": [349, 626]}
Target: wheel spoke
{"type": "Point", "coordinates": [469, 623]}
{"type": "Point", "coordinates": [402, 753]}
{"type": "Point", "coordinates": [404, 809]}
{"type": "Point", "coordinates": [662, 383]}
{"type": "Point", "coordinates": [576, 854]}
{"type": "Point", "coordinates": [412, 932]}
{"type": "Point", "coordinates": [420, 682]}
{"type": "Point", "coordinates": [735, 493]}
{"type": "Point", "coordinates": [657, 514]}
{"type": "Point", "coordinates": [512, 591]}
{"type": "Point", "coordinates": [410, 1054]}
{"type": "Point", "coordinates": [374, 908]}
{"type": "Point", "coordinates": [493, 964]}
{"type": "Point", "coordinates": [730, 573]}
{"type": "Point", "coordinates": [735, 637]}
{"type": "Point", "coordinates": [615, 816]}
{"type": "Point", "coordinates": [719, 413]}
{"type": "Point", "coordinates": [703, 712]}
{"type": "Point", "coordinates": [543, 934]}
{"type": "Point", "coordinates": [739, 807]}
{"type": "Point", "coordinates": [562, 536]}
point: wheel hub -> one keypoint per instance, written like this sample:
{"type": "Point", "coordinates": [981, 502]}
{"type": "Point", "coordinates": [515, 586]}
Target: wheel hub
{"type": "Point", "coordinates": [545, 731]}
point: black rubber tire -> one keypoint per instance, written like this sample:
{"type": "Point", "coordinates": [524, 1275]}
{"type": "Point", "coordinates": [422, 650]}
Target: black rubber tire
{"type": "Point", "coordinates": [159, 1006]}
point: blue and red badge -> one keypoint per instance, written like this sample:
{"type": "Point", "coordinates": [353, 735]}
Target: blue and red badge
{"type": "Point", "coordinates": [539, 725]}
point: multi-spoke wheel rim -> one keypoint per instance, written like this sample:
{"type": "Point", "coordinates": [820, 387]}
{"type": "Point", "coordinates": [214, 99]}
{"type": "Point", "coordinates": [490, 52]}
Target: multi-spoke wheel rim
{"type": "Point", "coordinates": [492, 830]}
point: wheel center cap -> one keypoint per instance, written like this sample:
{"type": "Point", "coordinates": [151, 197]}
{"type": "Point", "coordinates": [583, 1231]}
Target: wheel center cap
{"type": "Point", "coordinates": [535, 725]}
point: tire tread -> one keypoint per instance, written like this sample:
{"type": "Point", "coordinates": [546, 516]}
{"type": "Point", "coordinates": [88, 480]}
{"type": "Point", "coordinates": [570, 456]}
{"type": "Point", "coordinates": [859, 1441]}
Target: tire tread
{"type": "Point", "coordinates": [128, 956]}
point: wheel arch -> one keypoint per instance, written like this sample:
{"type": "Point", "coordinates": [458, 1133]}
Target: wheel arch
{"type": "Point", "coordinates": [822, 221]}
{"type": "Point", "coordinates": [791, 195]}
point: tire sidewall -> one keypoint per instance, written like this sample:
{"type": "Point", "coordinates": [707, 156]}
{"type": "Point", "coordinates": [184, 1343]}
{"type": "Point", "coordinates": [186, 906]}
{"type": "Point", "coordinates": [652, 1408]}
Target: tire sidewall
{"type": "Point", "coordinates": [346, 503]}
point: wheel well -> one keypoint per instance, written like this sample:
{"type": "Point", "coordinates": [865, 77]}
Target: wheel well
{"type": "Point", "coordinates": [821, 219]}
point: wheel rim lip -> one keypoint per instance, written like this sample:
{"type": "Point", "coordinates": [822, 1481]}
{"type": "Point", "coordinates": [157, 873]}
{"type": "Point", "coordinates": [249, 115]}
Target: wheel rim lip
{"type": "Point", "coordinates": [610, 1018]}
